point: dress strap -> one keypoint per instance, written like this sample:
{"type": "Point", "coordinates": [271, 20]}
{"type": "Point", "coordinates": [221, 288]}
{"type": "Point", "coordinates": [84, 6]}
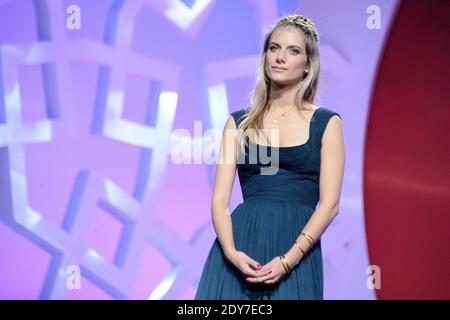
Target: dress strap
{"type": "Point", "coordinates": [239, 115]}
{"type": "Point", "coordinates": [319, 123]}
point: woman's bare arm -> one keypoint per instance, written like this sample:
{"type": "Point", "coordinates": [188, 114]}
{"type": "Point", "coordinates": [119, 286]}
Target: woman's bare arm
{"type": "Point", "coordinates": [223, 185]}
{"type": "Point", "coordinates": [332, 162]}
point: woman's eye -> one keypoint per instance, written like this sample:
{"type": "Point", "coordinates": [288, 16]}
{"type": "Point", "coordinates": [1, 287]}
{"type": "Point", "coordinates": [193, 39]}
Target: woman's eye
{"type": "Point", "coordinates": [292, 50]}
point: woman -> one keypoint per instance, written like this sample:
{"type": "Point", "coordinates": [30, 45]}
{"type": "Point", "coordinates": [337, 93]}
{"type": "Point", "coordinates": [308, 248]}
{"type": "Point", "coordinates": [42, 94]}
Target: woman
{"type": "Point", "coordinates": [269, 247]}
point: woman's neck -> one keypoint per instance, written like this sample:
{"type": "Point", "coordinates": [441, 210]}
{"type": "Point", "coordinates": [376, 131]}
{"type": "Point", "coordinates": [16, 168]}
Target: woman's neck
{"type": "Point", "coordinates": [282, 97]}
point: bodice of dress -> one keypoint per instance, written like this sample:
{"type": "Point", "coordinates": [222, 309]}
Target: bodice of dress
{"type": "Point", "coordinates": [284, 173]}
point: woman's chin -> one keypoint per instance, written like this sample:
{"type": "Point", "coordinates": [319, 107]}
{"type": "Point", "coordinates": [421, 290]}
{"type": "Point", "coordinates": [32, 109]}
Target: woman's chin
{"type": "Point", "coordinates": [282, 82]}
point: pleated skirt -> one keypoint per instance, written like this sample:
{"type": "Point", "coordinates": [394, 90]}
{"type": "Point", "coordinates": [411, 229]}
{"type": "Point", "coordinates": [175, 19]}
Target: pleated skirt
{"type": "Point", "coordinates": [264, 229]}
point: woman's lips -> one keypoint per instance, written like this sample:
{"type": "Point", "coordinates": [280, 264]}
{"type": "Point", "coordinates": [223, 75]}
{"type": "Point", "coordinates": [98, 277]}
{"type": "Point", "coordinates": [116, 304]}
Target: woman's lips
{"type": "Point", "coordinates": [278, 69]}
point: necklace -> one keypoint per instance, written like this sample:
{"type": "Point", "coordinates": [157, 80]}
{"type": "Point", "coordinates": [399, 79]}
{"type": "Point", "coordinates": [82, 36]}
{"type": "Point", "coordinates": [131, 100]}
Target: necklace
{"type": "Point", "coordinates": [275, 119]}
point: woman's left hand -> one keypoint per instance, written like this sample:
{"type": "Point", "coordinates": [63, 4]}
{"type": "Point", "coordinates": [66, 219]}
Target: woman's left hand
{"type": "Point", "coordinates": [270, 273]}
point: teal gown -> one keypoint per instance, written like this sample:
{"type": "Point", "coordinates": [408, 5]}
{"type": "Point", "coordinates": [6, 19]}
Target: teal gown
{"type": "Point", "coordinates": [275, 209]}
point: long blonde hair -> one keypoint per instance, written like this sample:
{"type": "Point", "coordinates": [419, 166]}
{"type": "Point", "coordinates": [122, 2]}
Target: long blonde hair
{"type": "Point", "coordinates": [307, 86]}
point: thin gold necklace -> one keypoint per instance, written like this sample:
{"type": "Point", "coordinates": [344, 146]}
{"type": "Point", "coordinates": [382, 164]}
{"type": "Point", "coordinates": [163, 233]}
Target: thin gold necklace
{"type": "Point", "coordinates": [275, 119]}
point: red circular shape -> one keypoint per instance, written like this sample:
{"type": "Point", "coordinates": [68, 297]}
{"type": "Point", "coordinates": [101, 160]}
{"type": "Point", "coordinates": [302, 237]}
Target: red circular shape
{"type": "Point", "coordinates": [406, 165]}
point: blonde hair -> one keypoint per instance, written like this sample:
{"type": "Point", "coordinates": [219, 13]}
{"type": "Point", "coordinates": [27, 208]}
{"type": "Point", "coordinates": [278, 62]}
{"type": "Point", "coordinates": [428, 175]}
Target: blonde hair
{"type": "Point", "coordinates": [307, 86]}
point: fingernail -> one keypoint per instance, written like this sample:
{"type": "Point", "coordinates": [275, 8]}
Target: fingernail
{"type": "Point", "coordinates": [258, 266]}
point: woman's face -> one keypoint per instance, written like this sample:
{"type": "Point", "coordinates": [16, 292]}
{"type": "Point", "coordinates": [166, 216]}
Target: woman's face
{"type": "Point", "coordinates": [287, 52]}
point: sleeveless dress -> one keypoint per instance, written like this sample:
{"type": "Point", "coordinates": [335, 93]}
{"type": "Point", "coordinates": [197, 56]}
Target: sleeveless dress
{"type": "Point", "coordinates": [275, 209]}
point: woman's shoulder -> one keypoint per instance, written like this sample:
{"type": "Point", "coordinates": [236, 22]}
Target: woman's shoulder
{"type": "Point", "coordinates": [323, 118]}
{"type": "Point", "coordinates": [240, 114]}
{"type": "Point", "coordinates": [327, 113]}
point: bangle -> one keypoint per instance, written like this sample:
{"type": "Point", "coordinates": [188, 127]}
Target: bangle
{"type": "Point", "coordinates": [301, 249]}
{"type": "Point", "coordinates": [309, 238]}
{"type": "Point", "coordinates": [285, 264]}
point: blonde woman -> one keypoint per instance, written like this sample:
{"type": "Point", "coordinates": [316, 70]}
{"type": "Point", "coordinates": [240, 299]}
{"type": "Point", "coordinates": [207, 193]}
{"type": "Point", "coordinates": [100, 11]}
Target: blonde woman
{"type": "Point", "coordinates": [269, 247]}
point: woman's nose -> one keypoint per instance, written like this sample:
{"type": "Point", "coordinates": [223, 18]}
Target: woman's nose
{"type": "Point", "coordinates": [280, 58]}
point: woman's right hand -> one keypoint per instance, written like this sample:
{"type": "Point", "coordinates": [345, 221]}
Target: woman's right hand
{"type": "Point", "coordinates": [246, 265]}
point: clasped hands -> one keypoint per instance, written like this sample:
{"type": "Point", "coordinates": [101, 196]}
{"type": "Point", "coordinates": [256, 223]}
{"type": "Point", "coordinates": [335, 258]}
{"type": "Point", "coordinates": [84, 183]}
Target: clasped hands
{"type": "Point", "coordinates": [270, 273]}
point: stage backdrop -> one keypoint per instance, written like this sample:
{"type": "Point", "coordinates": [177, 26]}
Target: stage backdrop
{"type": "Point", "coordinates": [407, 156]}
{"type": "Point", "coordinates": [95, 203]}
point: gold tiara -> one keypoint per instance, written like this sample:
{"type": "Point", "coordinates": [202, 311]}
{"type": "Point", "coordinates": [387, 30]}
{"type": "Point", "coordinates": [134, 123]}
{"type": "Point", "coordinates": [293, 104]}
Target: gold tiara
{"type": "Point", "coordinates": [306, 25]}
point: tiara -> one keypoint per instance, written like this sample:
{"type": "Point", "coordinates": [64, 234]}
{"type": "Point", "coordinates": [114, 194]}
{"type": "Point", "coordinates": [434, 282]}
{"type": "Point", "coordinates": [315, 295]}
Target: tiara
{"type": "Point", "coordinates": [306, 25]}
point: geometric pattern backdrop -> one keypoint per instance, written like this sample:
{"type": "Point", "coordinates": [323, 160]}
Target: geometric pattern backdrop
{"type": "Point", "coordinates": [90, 182]}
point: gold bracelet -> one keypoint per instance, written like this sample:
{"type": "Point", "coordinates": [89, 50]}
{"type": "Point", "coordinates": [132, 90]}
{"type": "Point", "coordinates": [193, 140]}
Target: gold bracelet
{"type": "Point", "coordinates": [285, 264]}
{"type": "Point", "coordinates": [301, 249]}
{"type": "Point", "coordinates": [309, 238]}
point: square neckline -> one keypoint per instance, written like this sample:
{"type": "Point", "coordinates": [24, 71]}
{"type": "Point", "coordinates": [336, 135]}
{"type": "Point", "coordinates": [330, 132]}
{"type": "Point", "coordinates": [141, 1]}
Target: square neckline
{"type": "Point", "coordinates": [294, 146]}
